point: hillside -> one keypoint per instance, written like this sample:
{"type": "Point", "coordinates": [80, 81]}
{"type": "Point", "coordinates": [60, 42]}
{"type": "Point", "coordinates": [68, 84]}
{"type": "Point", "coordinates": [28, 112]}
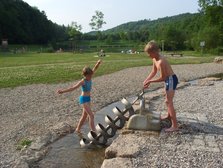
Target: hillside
{"type": "Point", "coordinates": [22, 24]}
{"type": "Point", "coordinates": [151, 24]}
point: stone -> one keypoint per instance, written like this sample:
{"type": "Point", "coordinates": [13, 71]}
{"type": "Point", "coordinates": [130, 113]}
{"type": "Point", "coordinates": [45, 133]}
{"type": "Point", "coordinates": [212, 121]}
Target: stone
{"type": "Point", "coordinates": [218, 60]}
{"type": "Point", "coordinates": [117, 162]}
{"type": "Point", "coordinates": [63, 128]}
{"type": "Point", "coordinates": [204, 82]}
{"type": "Point", "coordinates": [212, 79]}
{"type": "Point", "coordinates": [41, 142]}
{"type": "Point", "coordinates": [29, 159]}
{"type": "Point", "coordinates": [182, 85]}
{"type": "Point", "coordinates": [37, 146]}
{"type": "Point", "coordinates": [54, 137]}
{"type": "Point", "coordinates": [127, 145]}
{"type": "Point", "coordinates": [20, 163]}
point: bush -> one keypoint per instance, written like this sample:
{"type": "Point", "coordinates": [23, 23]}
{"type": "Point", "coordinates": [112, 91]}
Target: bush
{"type": "Point", "coordinates": [49, 50]}
{"type": "Point", "coordinates": [216, 51]}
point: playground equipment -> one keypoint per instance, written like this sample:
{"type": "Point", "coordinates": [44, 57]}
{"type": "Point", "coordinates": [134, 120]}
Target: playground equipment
{"type": "Point", "coordinates": [150, 121]}
{"type": "Point", "coordinates": [145, 120]}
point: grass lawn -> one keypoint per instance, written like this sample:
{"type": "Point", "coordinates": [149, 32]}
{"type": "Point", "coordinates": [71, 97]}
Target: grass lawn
{"type": "Point", "coordinates": [33, 68]}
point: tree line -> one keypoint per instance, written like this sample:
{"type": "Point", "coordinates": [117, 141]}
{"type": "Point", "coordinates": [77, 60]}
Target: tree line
{"type": "Point", "coordinates": [181, 32]}
{"type": "Point", "coordinates": [23, 24]}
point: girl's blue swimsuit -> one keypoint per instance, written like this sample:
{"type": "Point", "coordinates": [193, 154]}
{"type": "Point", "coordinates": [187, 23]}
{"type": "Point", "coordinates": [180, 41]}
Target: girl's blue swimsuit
{"type": "Point", "coordinates": [84, 99]}
{"type": "Point", "coordinates": [85, 88]}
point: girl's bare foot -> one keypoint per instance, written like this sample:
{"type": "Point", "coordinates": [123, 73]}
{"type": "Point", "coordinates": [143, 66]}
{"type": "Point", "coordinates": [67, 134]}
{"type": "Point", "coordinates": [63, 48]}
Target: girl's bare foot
{"type": "Point", "coordinates": [78, 131]}
{"type": "Point", "coordinates": [171, 129]}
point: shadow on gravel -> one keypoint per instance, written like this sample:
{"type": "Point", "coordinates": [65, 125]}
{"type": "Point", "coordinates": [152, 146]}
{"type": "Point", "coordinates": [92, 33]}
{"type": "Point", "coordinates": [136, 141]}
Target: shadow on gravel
{"type": "Point", "coordinates": [194, 127]}
{"type": "Point", "coordinates": [197, 128]}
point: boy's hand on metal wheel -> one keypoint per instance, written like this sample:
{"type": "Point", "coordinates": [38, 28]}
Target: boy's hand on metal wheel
{"type": "Point", "coordinates": [146, 86]}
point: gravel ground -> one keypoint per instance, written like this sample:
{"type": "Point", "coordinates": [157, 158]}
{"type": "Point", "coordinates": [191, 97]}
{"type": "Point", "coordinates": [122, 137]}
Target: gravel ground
{"type": "Point", "coordinates": [197, 144]}
{"type": "Point", "coordinates": [30, 111]}
{"type": "Point", "coordinates": [199, 141]}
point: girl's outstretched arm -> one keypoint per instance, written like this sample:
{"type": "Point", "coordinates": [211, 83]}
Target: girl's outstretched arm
{"type": "Point", "coordinates": [77, 85]}
{"type": "Point", "coordinates": [96, 66]}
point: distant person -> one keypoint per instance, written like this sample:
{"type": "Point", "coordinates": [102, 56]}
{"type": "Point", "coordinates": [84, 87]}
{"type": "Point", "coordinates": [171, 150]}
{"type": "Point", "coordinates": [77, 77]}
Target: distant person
{"type": "Point", "coordinates": [102, 53]}
{"type": "Point", "coordinates": [85, 99]}
{"type": "Point", "coordinates": [166, 75]}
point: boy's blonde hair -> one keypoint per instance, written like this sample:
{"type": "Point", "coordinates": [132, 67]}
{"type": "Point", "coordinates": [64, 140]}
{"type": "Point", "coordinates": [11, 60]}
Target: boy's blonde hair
{"type": "Point", "coordinates": [151, 46]}
{"type": "Point", "coordinates": [87, 71]}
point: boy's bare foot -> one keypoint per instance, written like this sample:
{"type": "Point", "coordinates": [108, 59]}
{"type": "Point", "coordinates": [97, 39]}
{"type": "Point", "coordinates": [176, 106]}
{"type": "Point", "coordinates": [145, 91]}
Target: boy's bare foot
{"type": "Point", "coordinates": [171, 129]}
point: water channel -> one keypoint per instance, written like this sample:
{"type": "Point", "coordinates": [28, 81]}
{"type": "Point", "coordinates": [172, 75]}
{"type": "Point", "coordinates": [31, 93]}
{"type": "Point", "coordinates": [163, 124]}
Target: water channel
{"type": "Point", "coordinates": [67, 153]}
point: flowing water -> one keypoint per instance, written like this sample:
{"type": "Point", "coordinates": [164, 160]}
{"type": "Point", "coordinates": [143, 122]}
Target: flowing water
{"type": "Point", "coordinates": [67, 153]}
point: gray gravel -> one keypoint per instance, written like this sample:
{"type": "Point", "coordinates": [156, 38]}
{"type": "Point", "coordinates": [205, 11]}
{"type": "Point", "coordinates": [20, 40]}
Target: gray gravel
{"type": "Point", "coordinates": [197, 144]}
{"type": "Point", "coordinates": [30, 111]}
{"type": "Point", "coordinates": [199, 141]}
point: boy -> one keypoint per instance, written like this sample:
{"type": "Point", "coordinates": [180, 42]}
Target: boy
{"type": "Point", "coordinates": [167, 75]}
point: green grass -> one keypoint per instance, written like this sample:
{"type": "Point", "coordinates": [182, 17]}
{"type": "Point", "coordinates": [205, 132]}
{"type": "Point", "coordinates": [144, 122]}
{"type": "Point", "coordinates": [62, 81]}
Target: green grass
{"type": "Point", "coordinates": [34, 68]}
{"type": "Point", "coordinates": [23, 143]}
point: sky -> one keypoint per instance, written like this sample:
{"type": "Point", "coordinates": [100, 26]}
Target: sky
{"type": "Point", "coordinates": [116, 12]}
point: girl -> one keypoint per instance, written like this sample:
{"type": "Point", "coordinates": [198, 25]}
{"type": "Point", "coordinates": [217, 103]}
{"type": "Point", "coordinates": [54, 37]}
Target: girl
{"type": "Point", "coordinates": [85, 99]}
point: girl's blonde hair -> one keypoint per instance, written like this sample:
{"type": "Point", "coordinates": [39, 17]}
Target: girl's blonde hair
{"type": "Point", "coordinates": [87, 71]}
{"type": "Point", "coordinates": [151, 47]}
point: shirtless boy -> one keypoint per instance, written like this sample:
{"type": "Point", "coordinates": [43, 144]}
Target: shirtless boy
{"type": "Point", "coordinates": [166, 75]}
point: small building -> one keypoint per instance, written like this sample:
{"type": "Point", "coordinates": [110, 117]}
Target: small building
{"type": "Point", "coordinates": [4, 45]}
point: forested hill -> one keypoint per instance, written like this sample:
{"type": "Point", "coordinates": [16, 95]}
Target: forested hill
{"type": "Point", "coordinates": [21, 23]}
{"type": "Point", "coordinates": [178, 32]}
{"type": "Point", "coordinates": [178, 20]}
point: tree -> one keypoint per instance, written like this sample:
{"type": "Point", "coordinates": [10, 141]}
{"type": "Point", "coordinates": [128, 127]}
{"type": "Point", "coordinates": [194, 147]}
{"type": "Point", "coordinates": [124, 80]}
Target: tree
{"type": "Point", "coordinates": [205, 3]}
{"type": "Point", "coordinates": [74, 29]}
{"type": "Point", "coordinates": [74, 32]}
{"type": "Point", "coordinates": [23, 24]}
{"type": "Point", "coordinates": [144, 35]}
{"type": "Point", "coordinates": [97, 21]}
{"type": "Point", "coordinates": [212, 31]}
{"type": "Point", "coordinates": [122, 35]}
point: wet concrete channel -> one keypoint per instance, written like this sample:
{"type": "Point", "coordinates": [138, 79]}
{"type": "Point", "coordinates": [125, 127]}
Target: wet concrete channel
{"type": "Point", "coordinates": [67, 152]}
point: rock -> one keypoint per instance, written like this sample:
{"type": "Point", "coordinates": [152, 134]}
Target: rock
{"type": "Point", "coordinates": [212, 79]}
{"type": "Point", "coordinates": [204, 82]}
{"type": "Point", "coordinates": [41, 142]}
{"type": "Point", "coordinates": [29, 159]}
{"type": "Point", "coordinates": [20, 164]}
{"type": "Point", "coordinates": [63, 128]}
{"type": "Point", "coordinates": [54, 137]}
{"type": "Point", "coordinates": [182, 85]}
{"type": "Point", "coordinates": [40, 155]}
{"type": "Point", "coordinates": [117, 162]}
{"type": "Point", "coordinates": [125, 146]}
{"type": "Point", "coordinates": [218, 60]}
{"type": "Point", "coordinates": [37, 146]}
